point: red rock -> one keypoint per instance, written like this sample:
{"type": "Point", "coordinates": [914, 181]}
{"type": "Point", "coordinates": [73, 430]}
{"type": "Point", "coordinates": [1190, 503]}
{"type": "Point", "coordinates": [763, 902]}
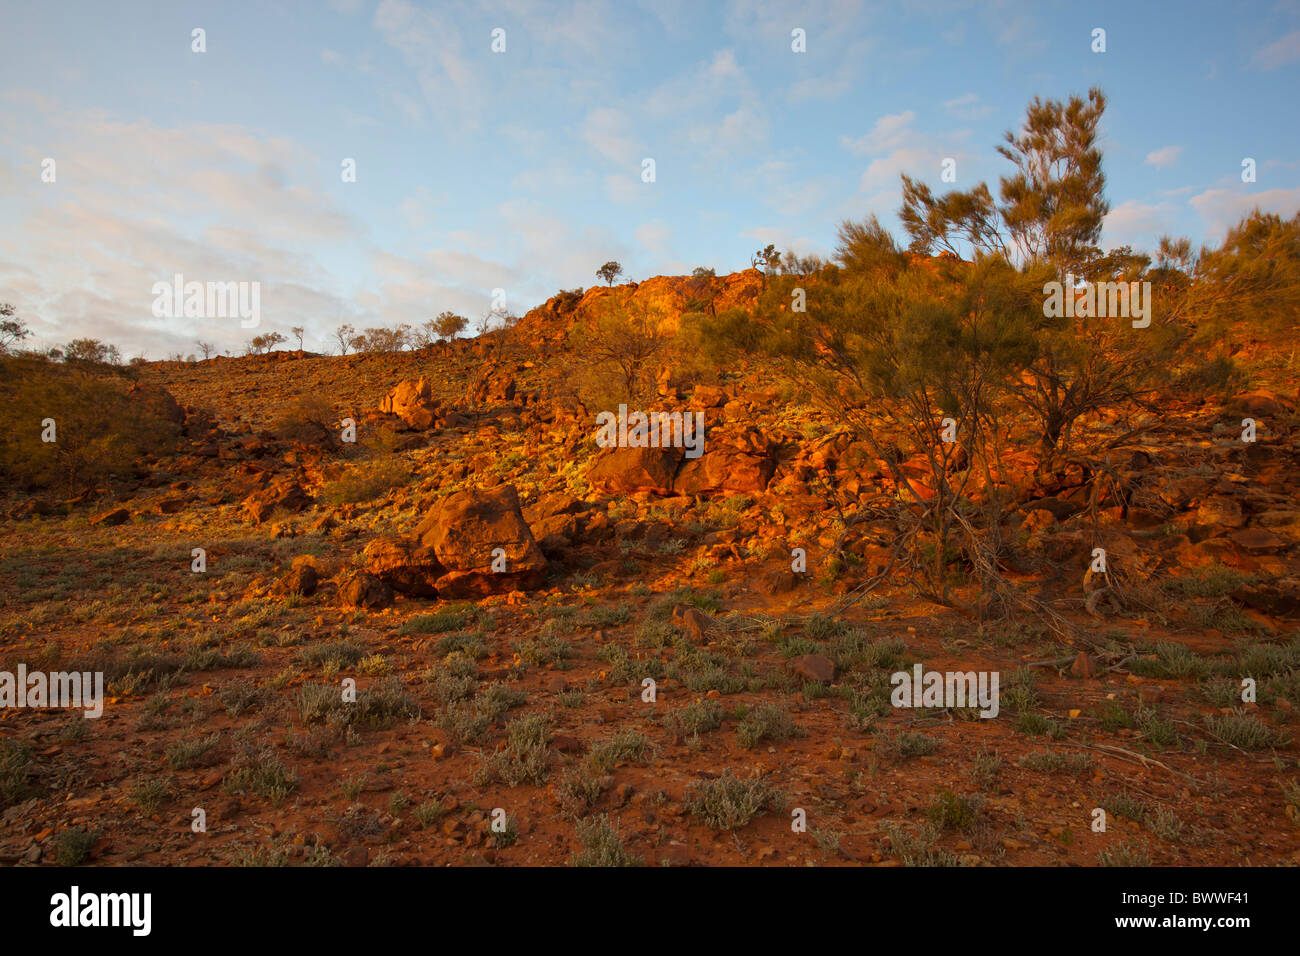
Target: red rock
{"type": "Point", "coordinates": [286, 494]}
{"type": "Point", "coordinates": [465, 529]}
{"type": "Point", "coordinates": [1083, 666]}
{"type": "Point", "coordinates": [412, 402]}
{"type": "Point", "coordinates": [1281, 598]}
{"type": "Point", "coordinates": [708, 396]}
{"type": "Point", "coordinates": [692, 622]}
{"type": "Point", "coordinates": [493, 387]}
{"type": "Point", "coordinates": [1259, 403]}
{"type": "Point", "coordinates": [1060, 509]}
{"type": "Point", "coordinates": [629, 470]}
{"type": "Point", "coordinates": [813, 667]}
{"type": "Point", "coordinates": [110, 518]}
{"type": "Point", "coordinates": [404, 565]}
{"type": "Point", "coordinates": [552, 505]}
{"type": "Point", "coordinates": [301, 579]}
{"type": "Point", "coordinates": [362, 589]}
{"type": "Point", "coordinates": [724, 470]}
{"type": "Point", "coordinates": [780, 581]}
{"type": "Point", "coordinates": [1256, 540]}
{"type": "Point", "coordinates": [1219, 514]}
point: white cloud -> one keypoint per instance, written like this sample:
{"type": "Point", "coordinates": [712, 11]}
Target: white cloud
{"type": "Point", "coordinates": [656, 237]}
{"type": "Point", "coordinates": [715, 109]}
{"type": "Point", "coordinates": [212, 202]}
{"type": "Point", "coordinates": [430, 43]}
{"type": "Point", "coordinates": [607, 130]}
{"type": "Point", "coordinates": [1221, 209]}
{"type": "Point", "coordinates": [896, 147]}
{"type": "Point", "coordinates": [888, 133]}
{"type": "Point", "coordinates": [968, 107]}
{"type": "Point", "coordinates": [1279, 53]}
{"type": "Point", "coordinates": [1165, 156]}
{"type": "Point", "coordinates": [1137, 223]}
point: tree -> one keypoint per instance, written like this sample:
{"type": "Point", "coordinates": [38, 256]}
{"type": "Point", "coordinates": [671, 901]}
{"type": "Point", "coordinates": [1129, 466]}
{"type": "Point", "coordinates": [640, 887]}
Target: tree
{"type": "Point", "coordinates": [448, 325]}
{"type": "Point", "coordinates": [297, 331]}
{"type": "Point", "coordinates": [766, 260]}
{"type": "Point", "coordinates": [892, 348]}
{"type": "Point", "coordinates": [610, 271]}
{"type": "Point", "coordinates": [700, 272]}
{"type": "Point", "coordinates": [383, 339]}
{"type": "Point", "coordinates": [1051, 208]}
{"type": "Point", "coordinates": [105, 428]}
{"type": "Point", "coordinates": [616, 349]}
{"type": "Point", "coordinates": [92, 351]}
{"type": "Point", "coordinates": [265, 343]}
{"type": "Point", "coordinates": [207, 348]}
{"type": "Point", "coordinates": [345, 335]}
{"type": "Point", "coordinates": [1251, 282]}
{"type": "Point", "coordinates": [1050, 215]}
{"type": "Point", "coordinates": [12, 330]}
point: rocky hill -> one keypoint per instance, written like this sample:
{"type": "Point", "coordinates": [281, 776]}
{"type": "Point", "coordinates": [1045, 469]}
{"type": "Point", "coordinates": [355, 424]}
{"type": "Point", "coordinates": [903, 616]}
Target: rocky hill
{"type": "Point", "coordinates": [637, 655]}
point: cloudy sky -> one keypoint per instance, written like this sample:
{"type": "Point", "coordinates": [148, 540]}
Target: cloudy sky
{"type": "Point", "coordinates": [522, 170]}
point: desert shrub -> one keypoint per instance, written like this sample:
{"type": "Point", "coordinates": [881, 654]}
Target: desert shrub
{"type": "Point", "coordinates": [769, 721]}
{"type": "Point", "coordinates": [602, 845]}
{"type": "Point", "coordinates": [308, 418]}
{"type": "Point", "coordinates": [952, 811]}
{"type": "Point", "coordinates": [366, 481]}
{"type": "Point", "coordinates": [566, 300]}
{"type": "Point", "coordinates": [15, 770]}
{"type": "Point", "coordinates": [103, 428]}
{"type": "Point", "coordinates": [617, 348]}
{"type": "Point", "coordinates": [524, 759]}
{"type": "Point", "coordinates": [729, 802]}
{"type": "Point", "coordinates": [72, 846]}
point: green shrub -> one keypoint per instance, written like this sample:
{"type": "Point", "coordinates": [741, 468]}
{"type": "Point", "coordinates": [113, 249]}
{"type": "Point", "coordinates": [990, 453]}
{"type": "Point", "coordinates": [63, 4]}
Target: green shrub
{"type": "Point", "coordinates": [103, 428]}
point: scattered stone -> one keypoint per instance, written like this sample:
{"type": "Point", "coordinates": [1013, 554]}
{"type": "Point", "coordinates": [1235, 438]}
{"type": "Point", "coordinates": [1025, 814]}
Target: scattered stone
{"type": "Point", "coordinates": [1256, 540]}
{"type": "Point", "coordinates": [287, 495]}
{"type": "Point", "coordinates": [301, 579]}
{"type": "Point", "coordinates": [692, 622]}
{"type": "Point", "coordinates": [1083, 666]}
{"type": "Point", "coordinates": [362, 589]}
{"type": "Point", "coordinates": [111, 518]}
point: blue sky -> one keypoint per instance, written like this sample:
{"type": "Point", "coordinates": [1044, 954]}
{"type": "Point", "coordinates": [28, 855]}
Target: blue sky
{"type": "Point", "coordinates": [521, 170]}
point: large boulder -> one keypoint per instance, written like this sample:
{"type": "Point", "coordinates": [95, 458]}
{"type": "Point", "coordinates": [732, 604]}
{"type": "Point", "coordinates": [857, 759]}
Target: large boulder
{"type": "Point", "coordinates": [493, 387]}
{"type": "Point", "coordinates": [469, 532]}
{"type": "Point", "coordinates": [287, 495]}
{"type": "Point", "coordinates": [724, 470]}
{"type": "Point", "coordinates": [1260, 403]}
{"type": "Point", "coordinates": [159, 399]}
{"type": "Point", "coordinates": [364, 590]}
{"type": "Point", "coordinates": [629, 470]}
{"type": "Point", "coordinates": [413, 403]}
{"type": "Point", "coordinates": [556, 521]}
{"type": "Point", "coordinates": [404, 565]}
